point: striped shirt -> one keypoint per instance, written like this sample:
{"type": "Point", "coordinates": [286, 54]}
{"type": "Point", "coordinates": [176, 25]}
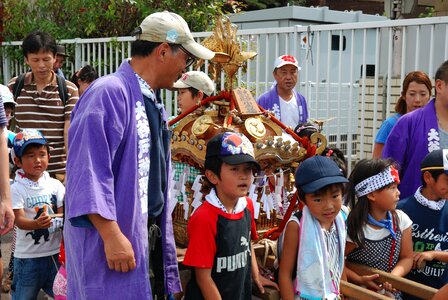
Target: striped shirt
{"type": "Point", "coordinates": [45, 111]}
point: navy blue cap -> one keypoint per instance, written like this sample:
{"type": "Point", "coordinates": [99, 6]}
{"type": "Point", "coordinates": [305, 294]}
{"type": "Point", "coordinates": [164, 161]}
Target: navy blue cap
{"type": "Point", "coordinates": [436, 160]}
{"type": "Point", "coordinates": [232, 148]}
{"type": "Point", "coordinates": [317, 172]}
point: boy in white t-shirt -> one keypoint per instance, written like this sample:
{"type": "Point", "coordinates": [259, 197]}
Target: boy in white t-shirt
{"type": "Point", "coordinates": [36, 197]}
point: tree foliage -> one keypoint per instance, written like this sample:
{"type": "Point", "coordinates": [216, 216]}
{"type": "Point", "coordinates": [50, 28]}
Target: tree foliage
{"type": "Point", "coordinates": [67, 19]}
{"type": "Point", "coordinates": [262, 4]}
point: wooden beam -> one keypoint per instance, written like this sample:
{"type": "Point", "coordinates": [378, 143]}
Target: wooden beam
{"type": "Point", "coordinates": [411, 287]}
{"type": "Point", "coordinates": [356, 292]}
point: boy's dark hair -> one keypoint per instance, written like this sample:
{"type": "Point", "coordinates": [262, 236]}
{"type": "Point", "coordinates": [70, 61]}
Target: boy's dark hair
{"type": "Point", "coordinates": [38, 41]}
{"type": "Point", "coordinates": [442, 72]}
{"type": "Point", "coordinates": [359, 206]}
{"type": "Point", "coordinates": [33, 146]}
{"type": "Point", "coordinates": [144, 48]}
{"type": "Point", "coordinates": [86, 74]}
{"type": "Point", "coordinates": [323, 190]}
{"type": "Point", "coordinates": [194, 92]}
{"type": "Point", "coordinates": [434, 173]}
{"type": "Point", "coordinates": [213, 164]}
{"type": "Point", "coordinates": [9, 104]}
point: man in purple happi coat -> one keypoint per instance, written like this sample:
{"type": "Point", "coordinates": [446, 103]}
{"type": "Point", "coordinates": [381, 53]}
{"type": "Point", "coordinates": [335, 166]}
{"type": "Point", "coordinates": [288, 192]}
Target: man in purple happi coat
{"type": "Point", "coordinates": [119, 235]}
{"type": "Point", "coordinates": [418, 133]}
{"type": "Point", "coordinates": [288, 105]}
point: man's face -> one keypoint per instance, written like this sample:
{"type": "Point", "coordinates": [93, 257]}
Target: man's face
{"type": "Point", "coordinates": [442, 91]}
{"type": "Point", "coordinates": [175, 65]}
{"type": "Point", "coordinates": [41, 64]}
{"type": "Point", "coordinates": [286, 77]}
{"type": "Point", "coordinates": [59, 62]}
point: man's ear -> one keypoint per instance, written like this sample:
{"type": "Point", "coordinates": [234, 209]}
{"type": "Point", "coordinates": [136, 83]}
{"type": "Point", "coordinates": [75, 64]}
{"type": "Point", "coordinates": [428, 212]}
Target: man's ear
{"type": "Point", "coordinates": [211, 176]}
{"type": "Point", "coordinates": [438, 84]}
{"type": "Point", "coordinates": [162, 50]}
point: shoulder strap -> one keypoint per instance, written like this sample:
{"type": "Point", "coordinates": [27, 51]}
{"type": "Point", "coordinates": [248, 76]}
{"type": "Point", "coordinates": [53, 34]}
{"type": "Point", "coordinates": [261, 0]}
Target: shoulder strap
{"type": "Point", "coordinates": [18, 85]}
{"type": "Point", "coordinates": [298, 215]}
{"type": "Point", "coordinates": [62, 88]}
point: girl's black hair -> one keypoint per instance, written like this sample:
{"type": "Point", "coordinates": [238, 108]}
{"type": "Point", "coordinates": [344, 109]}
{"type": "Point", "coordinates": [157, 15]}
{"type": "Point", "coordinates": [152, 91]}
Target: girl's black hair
{"type": "Point", "coordinates": [359, 206]}
{"type": "Point", "coordinates": [338, 157]}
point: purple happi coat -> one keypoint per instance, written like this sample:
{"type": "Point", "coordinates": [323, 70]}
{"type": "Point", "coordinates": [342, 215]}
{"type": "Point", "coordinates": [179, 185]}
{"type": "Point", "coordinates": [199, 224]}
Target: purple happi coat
{"type": "Point", "coordinates": [105, 156]}
{"type": "Point", "coordinates": [271, 101]}
{"type": "Point", "coordinates": [414, 135]}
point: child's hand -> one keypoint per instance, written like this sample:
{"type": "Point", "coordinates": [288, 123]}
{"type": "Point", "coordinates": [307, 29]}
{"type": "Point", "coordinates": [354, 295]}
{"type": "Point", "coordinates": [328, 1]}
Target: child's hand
{"type": "Point", "coordinates": [368, 281]}
{"type": "Point", "coordinates": [44, 221]}
{"type": "Point", "coordinates": [261, 282]}
{"type": "Point", "coordinates": [420, 258]}
{"type": "Point", "coordinates": [388, 288]}
{"type": "Point", "coordinates": [119, 253]}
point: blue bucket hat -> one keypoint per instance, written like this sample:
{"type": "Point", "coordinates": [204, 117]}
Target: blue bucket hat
{"type": "Point", "coordinates": [317, 172]}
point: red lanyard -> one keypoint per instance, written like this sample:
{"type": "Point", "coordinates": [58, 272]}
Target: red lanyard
{"type": "Point", "coordinates": [392, 249]}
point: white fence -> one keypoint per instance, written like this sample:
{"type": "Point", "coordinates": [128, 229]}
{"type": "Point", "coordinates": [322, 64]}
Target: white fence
{"type": "Point", "coordinates": [337, 63]}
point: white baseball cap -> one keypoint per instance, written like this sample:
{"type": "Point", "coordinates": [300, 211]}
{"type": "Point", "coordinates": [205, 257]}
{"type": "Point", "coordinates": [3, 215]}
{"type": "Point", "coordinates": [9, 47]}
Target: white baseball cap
{"type": "Point", "coordinates": [286, 60]}
{"type": "Point", "coordinates": [6, 95]}
{"type": "Point", "coordinates": [196, 79]}
{"type": "Point", "coordinates": [171, 28]}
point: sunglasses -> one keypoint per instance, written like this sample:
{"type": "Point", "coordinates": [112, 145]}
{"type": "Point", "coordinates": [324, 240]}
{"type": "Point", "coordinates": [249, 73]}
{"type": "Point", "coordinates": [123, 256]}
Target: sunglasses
{"type": "Point", "coordinates": [190, 57]}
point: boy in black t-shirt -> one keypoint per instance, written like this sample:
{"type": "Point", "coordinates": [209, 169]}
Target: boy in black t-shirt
{"type": "Point", "coordinates": [428, 211]}
{"type": "Point", "coordinates": [221, 229]}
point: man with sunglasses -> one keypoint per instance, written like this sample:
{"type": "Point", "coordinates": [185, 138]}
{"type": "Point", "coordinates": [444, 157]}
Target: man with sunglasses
{"type": "Point", "coordinates": [119, 230]}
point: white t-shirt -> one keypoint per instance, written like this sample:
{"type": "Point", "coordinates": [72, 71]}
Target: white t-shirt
{"type": "Point", "coordinates": [30, 196]}
{"type": "Point", "coordinates": [374, 234]}
{"type": "Point", "coordinates": [289, 111]}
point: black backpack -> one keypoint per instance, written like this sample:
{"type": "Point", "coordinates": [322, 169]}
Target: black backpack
{"type": "Point", "coordinates": [62, 87]}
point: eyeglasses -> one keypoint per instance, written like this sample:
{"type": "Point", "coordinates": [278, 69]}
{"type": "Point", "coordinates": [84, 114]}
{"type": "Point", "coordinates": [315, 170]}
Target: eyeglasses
{"type": "Point", "coordinates": [190, 57]}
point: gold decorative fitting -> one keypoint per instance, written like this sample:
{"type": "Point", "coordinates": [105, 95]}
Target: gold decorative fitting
{"type": "Point", "coordinates": [228, 55]}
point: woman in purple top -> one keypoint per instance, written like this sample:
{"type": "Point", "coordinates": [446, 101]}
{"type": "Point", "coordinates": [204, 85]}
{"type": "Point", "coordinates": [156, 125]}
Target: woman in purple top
{"type": "Point", "coordinates": [416, 92]}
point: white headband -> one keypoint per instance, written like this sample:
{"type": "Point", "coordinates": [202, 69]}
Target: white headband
{"type": "Point", "coordinates": [377, 181]}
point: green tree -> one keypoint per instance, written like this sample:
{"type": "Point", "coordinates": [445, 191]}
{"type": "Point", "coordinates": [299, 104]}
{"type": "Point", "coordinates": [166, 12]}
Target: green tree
{"type": "Point", "coordinates": [262, 4]}
{"type": "Point", "coordinates": [66, 19]}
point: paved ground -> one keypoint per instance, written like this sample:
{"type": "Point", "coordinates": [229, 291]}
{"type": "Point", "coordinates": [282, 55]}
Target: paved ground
{"type": "Point", "coordinates": [6, 254]}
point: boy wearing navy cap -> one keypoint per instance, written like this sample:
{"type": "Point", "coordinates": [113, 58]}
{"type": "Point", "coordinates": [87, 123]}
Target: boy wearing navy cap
{"type": "Point", "coordinates": [221, 229]}
{"type": "Point", "coordinates": [35, 197]}
{"type": "Point", "coordinates": [428, 210]}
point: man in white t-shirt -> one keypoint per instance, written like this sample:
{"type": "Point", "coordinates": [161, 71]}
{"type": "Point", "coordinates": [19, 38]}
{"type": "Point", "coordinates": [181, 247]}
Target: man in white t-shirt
{"type": "Point", "coordinates": [288, 105]}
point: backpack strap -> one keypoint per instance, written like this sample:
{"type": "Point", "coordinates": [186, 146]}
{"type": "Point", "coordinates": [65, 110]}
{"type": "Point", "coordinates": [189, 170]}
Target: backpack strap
{"type": "Point", "coordinates": [18, 85]}
{"type": "Point", "coordinates": [62, 89]}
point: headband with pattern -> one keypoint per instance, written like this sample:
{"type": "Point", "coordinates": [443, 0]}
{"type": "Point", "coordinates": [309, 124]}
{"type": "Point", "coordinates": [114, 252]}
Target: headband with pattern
{"type": "Point", "coordinates": [377, 181]}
